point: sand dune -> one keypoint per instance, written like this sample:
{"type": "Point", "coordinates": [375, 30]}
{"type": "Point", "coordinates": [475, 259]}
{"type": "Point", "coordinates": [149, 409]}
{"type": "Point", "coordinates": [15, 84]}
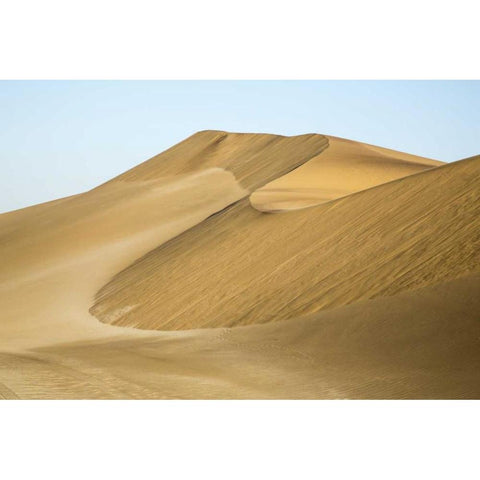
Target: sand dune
{"type": "Point", "coordinates": [420, 344]}
{"type": "Point", "coordinates": [378, 290]}
{"type": "Point", "coordinates": [54, 260]}
{"type": "Point", "coordinates": [343, 168]}
{"type": "Point", "coordinates": [241, 267]}
{"type": "Point", "coordinates": [254, 159]}
{"type": "Point", "coordinates": [56, 255]}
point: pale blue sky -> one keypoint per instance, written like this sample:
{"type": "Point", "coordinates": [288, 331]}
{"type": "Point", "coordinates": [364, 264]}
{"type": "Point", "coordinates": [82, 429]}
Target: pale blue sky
{"type": "Point", "coordinates": [58, 138]}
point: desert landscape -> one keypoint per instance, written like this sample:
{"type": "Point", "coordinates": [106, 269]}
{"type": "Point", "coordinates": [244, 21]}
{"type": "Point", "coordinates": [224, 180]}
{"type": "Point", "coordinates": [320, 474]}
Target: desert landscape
{"type": "Point", "coordinates": [249, 266]}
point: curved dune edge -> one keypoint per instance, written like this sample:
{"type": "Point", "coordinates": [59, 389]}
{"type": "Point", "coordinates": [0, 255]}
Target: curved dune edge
{"type": "Point", "coordinates": [379, 290]}
{"type": "Point", "coordinates": [241, 267]}
{"type": "Point", "coordinates": [421, 344]}
{"type": "Point", "coordinates": [345, 167]}
{"type": "Point", "coordinates": [55, 256]}
{"type": "Point", "coordinates": [255, 159]}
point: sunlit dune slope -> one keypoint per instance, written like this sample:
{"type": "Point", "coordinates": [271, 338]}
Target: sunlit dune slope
{"type": "Point", "coordinates": [194, 169]}
{"type": "Point", "coordinates": [55, 256]}
{"type": "Point", "coordinates": [343, 168]}
{"type": "Point", "coordinates": [418, 344]}
{"type": "Point", "coordinates": [379, 290]}
{"type": "Point", "coordinates": [53, 259]}
{"type": "Point", "coordinates": [255, 159]}
{"type": "Point", "coordinates": [241, 267]}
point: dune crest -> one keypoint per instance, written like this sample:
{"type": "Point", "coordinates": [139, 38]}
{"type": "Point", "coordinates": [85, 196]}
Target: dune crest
{"type": "Point", "coordinates": [378, 290]}
{"type": "Point", "coordinates": [341, 169]}
{"type": "Point", "coordinates": [56, 255]}
{"type": "Point", "coordinates": [255, 159]}
{"type": "Point", "coordinates": [55, 258]}
{"type": "Point", "coordinates": [241, 267]}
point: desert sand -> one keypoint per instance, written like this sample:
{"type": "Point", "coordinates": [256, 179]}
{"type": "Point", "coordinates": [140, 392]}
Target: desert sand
{"type": "Point", "coordinates": [344, 168]}
{"type": "Point", "coordinates": [178, 280]}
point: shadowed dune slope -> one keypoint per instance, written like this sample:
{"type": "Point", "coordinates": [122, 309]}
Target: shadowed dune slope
{"type": "Point", "coordinates": [343, 168]}
{"type": "Point", "coordinates": [420, 344]}
{"type": "Point", "coordinates": [255, 159]}
{"type": "Point", "coordinates": [379, 290]}
{"type": "Point", "coordinates": [71, 225]}
{"type": "Point", "coordinates": [55, 256]}
{"type": "Point", "coordinates": [243, 267]}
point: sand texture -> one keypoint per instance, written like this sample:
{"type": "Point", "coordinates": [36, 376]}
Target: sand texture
{"type": "Point", "coordinates": [344, 168]}
{"type": "Point", "coordinates": [241, 266]}
{"type": "Point", "coordinates": [177, 280]}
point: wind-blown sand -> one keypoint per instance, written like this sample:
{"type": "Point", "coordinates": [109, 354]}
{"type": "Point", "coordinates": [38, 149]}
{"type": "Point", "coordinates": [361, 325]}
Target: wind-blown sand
{"type": "Point", "coordinates": [241, 267]}
{"type": "Point", "coordinates": [54, 260]}
{"type": "Point", "coordinates": [378, 290]}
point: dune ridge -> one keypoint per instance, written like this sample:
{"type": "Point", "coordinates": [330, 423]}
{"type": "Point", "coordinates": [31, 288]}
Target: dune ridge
{"type": "Point", "coordinates": [53, 261]}
{"type": "Point", "coordinates": [56, 255]}
{"type": "Point", "coordinates": [241, 267]}
{"type": "Point", "coordinates": [255, 159]}
{"type": "Point", "coordinates": [343, 168]}
{"type": "Point", "coordinates": [377, 290]}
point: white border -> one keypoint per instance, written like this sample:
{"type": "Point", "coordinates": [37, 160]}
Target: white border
{"type": "Point", "coordinates": [240, 439]}
{"type": "Point", "coordinates": [259, 39]}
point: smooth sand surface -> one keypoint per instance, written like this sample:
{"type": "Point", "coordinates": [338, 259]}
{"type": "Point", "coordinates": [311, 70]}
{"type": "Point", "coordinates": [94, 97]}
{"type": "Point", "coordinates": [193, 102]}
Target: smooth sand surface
{"type": "Point", "coordinates": [175, 244]}
{"type": "Point", "coordinates": [54, 261]}
{"type": "Point", "coordinates": [343, 168]}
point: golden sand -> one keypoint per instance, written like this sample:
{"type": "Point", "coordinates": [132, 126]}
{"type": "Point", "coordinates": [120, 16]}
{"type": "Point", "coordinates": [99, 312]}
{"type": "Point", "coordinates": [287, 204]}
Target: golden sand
{"type": "Point", "coordinates": [373, 294]}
